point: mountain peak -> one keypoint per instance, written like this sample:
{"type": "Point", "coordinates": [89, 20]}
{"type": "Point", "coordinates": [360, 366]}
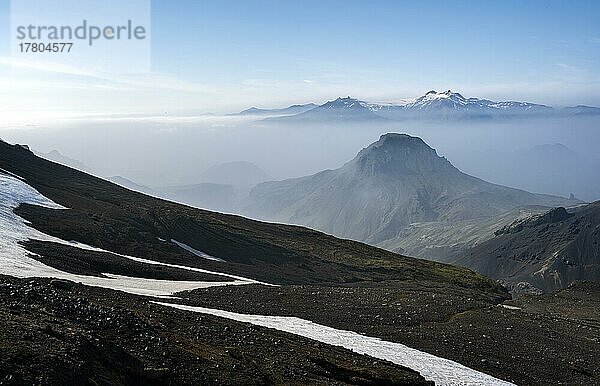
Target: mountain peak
{"type": "Point", "coordinates": [398, 139]}
{"type": "Point", "coordinates": [396, 143]}
{"type": "Point", "coordinates": [396, 153]}
{"type": "Point", "coordinates": [444, 94]}
{"type": "Point", "coordinates": [433, 99]}
{"type": "Point", "coordinates": [250, 110]}
{"type": "Point", "coordinates": [344, 103]}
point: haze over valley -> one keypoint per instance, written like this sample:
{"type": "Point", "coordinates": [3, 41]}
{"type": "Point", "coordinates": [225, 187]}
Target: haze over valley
{"type": "Point", "coordinates": [164, 150]}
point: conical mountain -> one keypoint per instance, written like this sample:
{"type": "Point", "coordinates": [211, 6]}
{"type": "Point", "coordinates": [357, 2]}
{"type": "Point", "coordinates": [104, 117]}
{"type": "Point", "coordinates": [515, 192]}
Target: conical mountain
{"type": "Point", "coordinates": [397, 181]}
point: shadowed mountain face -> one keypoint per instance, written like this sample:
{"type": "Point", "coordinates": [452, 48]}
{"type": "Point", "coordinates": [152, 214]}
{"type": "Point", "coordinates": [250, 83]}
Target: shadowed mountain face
{"type": "Point", "coordinates": [397, 181]}
{"type": "Point", "coordinates": [546, 252]}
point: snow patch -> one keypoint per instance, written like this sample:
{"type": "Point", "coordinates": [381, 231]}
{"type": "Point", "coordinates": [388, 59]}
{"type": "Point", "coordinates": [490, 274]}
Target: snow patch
{"type": "Point", "coordinates": [15, 260]}
{"type": "Point", "coordinates": [11, 174]}
{"type": "Point", "coordinates": [442, 371]}
{"type": "Point", "coordinates": [196, 252]}
{"type": "Point", "coordinates": [153, 262]}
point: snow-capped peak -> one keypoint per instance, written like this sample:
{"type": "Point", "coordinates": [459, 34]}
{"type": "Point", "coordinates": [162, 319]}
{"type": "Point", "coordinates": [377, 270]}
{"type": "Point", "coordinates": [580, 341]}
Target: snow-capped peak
{"type": "Point", "coordinates": [434, 95]}
{"type": "Point", "coordinates": [436, 104]}
{"type": "Point", "coordinates": [446, 99]}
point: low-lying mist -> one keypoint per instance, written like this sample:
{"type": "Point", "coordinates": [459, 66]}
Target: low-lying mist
{"type": "Point", "coordinates": [545, 155]}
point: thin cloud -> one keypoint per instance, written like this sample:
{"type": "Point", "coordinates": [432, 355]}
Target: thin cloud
{"type": "Point", "coordinates": [567, 66]}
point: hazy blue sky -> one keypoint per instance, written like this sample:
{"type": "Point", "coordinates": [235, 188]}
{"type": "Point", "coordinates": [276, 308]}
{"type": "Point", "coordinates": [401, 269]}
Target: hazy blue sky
{"type": "Point", "coordinates": [224, 55]}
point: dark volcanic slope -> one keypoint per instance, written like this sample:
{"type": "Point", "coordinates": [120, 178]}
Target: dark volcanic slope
{"type": "Point", "coordinates": [111, 217]}
{"type": "Point", "coordinates": [92, 336]}
{"type": "Point", "coordinates": [396, 181]}
{"type": "Point", "coordinates": [548, 251]}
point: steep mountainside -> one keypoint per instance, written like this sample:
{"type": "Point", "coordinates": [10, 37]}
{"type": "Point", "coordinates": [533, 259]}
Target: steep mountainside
{"type": "Point", "coordinates": [546, 252]}
{"type": "Point", "coordinates": [395, 182]}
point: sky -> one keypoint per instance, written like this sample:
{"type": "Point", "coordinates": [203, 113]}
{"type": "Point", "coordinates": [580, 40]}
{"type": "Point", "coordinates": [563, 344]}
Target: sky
{"type": "Point", "coordinates": [223, 56]}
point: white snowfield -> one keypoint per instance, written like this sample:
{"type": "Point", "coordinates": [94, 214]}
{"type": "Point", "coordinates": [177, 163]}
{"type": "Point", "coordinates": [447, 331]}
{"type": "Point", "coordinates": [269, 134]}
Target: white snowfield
{"type": "Point", "coordinates": [443, 372]}
{"type": "Point", "coordinates": [16, 261]}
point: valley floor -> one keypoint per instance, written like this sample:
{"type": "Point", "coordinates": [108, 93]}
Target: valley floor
{"type": "Point", "coordinates": [53, 332]}
{"type": "Point", "coordinates": [57, 332]}
{"type": "Point", "coordinates": [534, 340]}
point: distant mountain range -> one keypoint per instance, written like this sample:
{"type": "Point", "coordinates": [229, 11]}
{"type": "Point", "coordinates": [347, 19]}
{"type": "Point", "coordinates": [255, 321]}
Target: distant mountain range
{"type": "Point", "coordinates": [132, 185]}
{"type": "Point", "coordinates": [205, 195]}
{"type": "Point", "coordinates": [57, 157]}
{"type": "Point", "coordinates": [291, 110]}
{"type": "Point", "coordinates": [237, 173]}
{"type": "Point", "coordinates": [390, 186]}
{"type": "Point", "coordinates": [450, 104]}
{"type": "Point", "coordinates": [339, 109]}
{"type": "Point", "coordinates": [218, 188]}
{"type": "Point", "coordinates": [432, 105]}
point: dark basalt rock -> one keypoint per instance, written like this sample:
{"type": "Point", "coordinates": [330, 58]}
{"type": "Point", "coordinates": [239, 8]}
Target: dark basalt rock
{"type": "Point", "coordinates": [548, 251]}
{"type": "Point", "coordinates": [94, 336]}
{"type": "Point", "coordinates": [552, 216]}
